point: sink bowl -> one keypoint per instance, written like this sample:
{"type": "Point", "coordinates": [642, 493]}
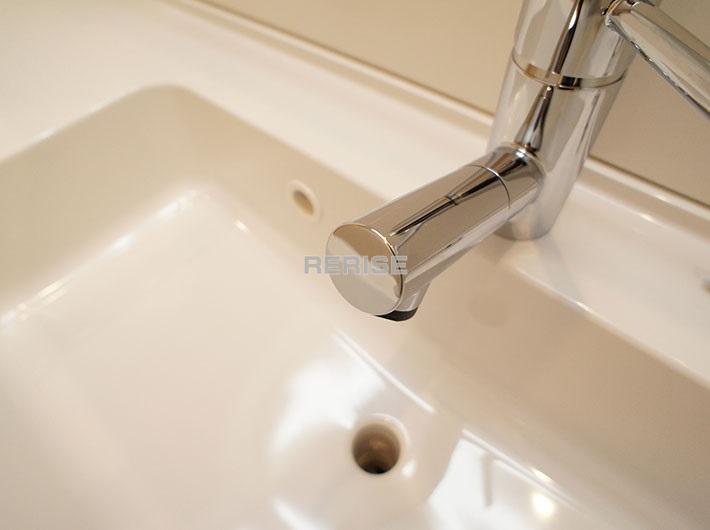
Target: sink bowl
{"type": "Point", "coordinates": [165, 362]}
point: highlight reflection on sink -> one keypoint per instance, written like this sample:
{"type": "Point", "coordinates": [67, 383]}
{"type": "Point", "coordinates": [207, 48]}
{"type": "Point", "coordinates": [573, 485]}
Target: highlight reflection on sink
{"type": "Point", "coordinates": [165, 362]}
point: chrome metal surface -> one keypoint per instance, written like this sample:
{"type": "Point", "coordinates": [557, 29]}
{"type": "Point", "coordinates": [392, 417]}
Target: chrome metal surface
{"type": "Point", "coordinates": [569, 38]}
{"type": "Point", "coordinates": [680, 57]}
{"type": "Point", "coordinates": [566, 67]}
{"type": "Point", "coordinates": [432, 226]}
{"type": "Point", "coordinates": [558, 127]}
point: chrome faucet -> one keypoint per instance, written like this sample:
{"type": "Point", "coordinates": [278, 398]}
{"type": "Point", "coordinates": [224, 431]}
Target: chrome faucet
{"type": "Point", "coordinates": [567, 65]}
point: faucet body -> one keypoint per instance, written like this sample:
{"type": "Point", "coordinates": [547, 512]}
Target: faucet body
{"type": "Point", "coordinates": [566, 67]}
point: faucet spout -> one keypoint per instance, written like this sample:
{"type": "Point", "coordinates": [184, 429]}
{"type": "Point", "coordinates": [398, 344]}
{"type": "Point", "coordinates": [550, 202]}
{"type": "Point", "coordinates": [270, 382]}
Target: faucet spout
{"type": "Point", "coordinates": [568, 61]}
{"type": "Point", "coordinates": [425, 231]}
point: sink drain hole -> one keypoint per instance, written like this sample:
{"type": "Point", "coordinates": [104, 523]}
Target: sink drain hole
{"type": "Point", "coordinates": [376, 449]}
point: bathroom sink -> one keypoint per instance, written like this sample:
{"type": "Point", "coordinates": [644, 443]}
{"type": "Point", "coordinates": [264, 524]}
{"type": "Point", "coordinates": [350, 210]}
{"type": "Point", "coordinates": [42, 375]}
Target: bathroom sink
{"type": "Point", "coordinates": [165, 362]}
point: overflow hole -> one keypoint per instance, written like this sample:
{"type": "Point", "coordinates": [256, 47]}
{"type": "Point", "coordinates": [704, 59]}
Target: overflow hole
{"type": "Point", "coordinates": [303, 202]}
{"type": "Point", "coordinates": [304, 199]}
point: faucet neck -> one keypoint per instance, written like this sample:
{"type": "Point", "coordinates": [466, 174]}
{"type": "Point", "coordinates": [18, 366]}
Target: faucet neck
{"type": "Point", "coordinates": [567, 65]}
{"type": "Point", "coordinates": [567, 44]}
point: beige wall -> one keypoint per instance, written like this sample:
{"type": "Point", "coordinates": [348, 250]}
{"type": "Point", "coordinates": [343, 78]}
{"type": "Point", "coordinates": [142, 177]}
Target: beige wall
{"type": "Point", "coordinates": [461, 47]}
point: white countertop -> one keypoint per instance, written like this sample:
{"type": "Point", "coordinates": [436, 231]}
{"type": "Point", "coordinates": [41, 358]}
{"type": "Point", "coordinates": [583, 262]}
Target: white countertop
{"type": "Point", "coordinates": [627, 262]}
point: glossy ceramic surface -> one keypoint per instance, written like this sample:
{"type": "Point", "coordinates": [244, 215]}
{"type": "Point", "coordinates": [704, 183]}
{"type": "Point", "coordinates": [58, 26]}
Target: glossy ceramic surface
{"type": "Point", "coordinates": [166, 363]}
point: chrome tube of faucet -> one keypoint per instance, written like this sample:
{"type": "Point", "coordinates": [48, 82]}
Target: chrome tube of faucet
{"type": "Point", "coordinates": [680, 57]}
{"type": "Point", "coordinates": [427, 229]}
{"type": "Point", "coordinates": [565, 70]}
{"type": "Point", "coordinates": [568, 61]}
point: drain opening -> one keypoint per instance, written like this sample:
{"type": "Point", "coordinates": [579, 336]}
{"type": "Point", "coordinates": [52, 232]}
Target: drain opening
{"type": "Point", "coordinates": [376, 449]}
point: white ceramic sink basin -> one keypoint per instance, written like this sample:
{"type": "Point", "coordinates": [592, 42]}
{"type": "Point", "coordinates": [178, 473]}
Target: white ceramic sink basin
{"type": "Point", "coordinates": [165, 362]}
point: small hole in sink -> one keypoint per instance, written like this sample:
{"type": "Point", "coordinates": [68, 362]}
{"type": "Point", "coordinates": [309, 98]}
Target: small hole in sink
{"type": "Point", "coordinates": [304, 199]}
{"type": "Point", "coordinates": [302, 202]}
{"type": "Point", "coordinates": [376, 449]}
